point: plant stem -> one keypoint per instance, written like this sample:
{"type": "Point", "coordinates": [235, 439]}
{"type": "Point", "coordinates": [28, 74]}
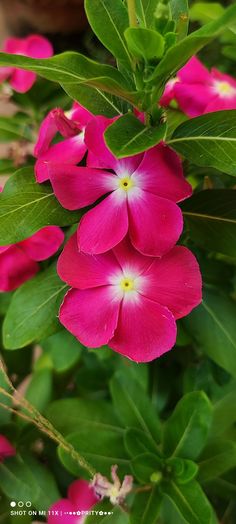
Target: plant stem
{"type": "Point", "coordinates": [132, 13]}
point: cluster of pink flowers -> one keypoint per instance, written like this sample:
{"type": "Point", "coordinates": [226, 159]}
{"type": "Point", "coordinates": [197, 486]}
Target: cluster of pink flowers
{"type": "Point", "coordinates": [198, 91]}
{"type": "Point", "coordinates": [129, 282]}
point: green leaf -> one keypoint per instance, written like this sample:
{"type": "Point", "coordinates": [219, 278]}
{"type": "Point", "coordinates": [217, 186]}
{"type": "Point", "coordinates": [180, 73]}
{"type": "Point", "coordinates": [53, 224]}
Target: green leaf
{"type": "Point", "coordinates": [32, 314]}
{"type": "Point", "coordinates": [96, 100]}
{"type": "Point", "coordinates": [212, 326]}
{"type": "Point", "coordinates": [182, 470]}
{"type": "Point", "coordinates": [133, 406]}
{"type": "Point", "coordinates": [109, 20]}
{"type": "Point", "coordinates": [204, 12]}
{"type": "Point", "coordinates": [16, 127]}
{"type": "Point", "coordinates": [74, 414]}
{"type": "Point", "coordinates": [5, 416]}
{"type": "Point", "coordinates": [145, 10]}
{"type": "Point", "coordinates": [127, 136]}
{"type": "Point", "coordinates": [146, 507]}
{"type": "Point", "coordinates": [46, 484]}
{"type": "Point", "coordinates": [209, 140]}
{"type": "Point", "coordinates": [111, 515]}
{"type": "Point", "coordinates": [17, 480]}
{"type": "Point", "coordinates": [224, 413]}
{"type": "Point", "coordinates": [39, 391]}
{"type": "Point", "coordinates": [190, 502]}
{"type": "Point", "coordinates": [211, 219]}
{"type": "Point", "coordinates": [144, 466]}
{"type": "Point", "coordinates": [74, 68]}
{"type": "Point", "coordinates": [63, 349]}
{"type": "Point", "coordinates": [218, 458]}
{"type": "Point", "coordinates": [102, 450]}
{"type": "Point", "coordinates": [179, 11]}
{"type": "Point", "coordinates": [138, 442]}
{"type": "Point", "coordinates": [27, 207]}
{"type": "Point", "coordinates": [144, 43]}
{"type": "Point", "coordinates": [186, 430]}
{"type": "Point", "coordinates": [180, 53]}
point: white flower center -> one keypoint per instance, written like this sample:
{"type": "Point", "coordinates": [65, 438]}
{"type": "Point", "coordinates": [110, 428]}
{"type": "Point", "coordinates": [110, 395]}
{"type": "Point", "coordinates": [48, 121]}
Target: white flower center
{"type": "Point", "coordinates": [126, 183]}
{"type": "Point", "coordinates": [224, 89]}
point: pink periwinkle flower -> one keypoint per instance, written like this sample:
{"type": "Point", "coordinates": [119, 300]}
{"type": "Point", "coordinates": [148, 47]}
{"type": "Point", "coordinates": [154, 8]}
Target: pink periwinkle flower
{"type": "Point", "coordinates": [199, 91]}
{"type": "Point", "coordinates": [127, 300]}
{"type": "Point", "coordinates": [6, 449]}
{"type": "Point", "coordinates": [70, 125]}
{"type": "Point", "coordinates": [116, 490]}
{"type": "Point", "coordinates": [141, 194]}
{"type": "Point", "coordinates": [80, 498]}
{"type": "Point", "coordinates": [19, 262]}
{"type": "Point", "coordinates": [35, 46]}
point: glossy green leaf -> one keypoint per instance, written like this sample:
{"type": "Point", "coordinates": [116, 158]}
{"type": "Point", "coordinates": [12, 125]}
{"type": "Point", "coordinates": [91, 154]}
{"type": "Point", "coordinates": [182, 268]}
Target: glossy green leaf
{"type": "Point", "coordinates": [190, 502]}
{"type": "Point", "coordinates": [146, 507]}
{"type": "Point", "coordinates": [182, 470]}
{"type": "Point", "coordinates": [218, 458]}
{"type": "Point", "coordinates": [47, 488]}
{"type": "Point", "coordinates": [212, 326]}
{"type": "Point", "coordinates": [75, 414]}
{"type": "Point", "coordinates": [144, 43]}
{"type": "Point", "coordinates": [33, 311]}
{"type": "Point", "coordinates": [145, 10]}
{"type": "Point", "coordinates": [145, 466]}
{"type": "Point", "coordinates": [138, 442]}
{"type": "Point", "coordinates": [27, 207]}
{"type": "Point", "coordinates": [179, 11]}
{"type": "Point", "coordinates": [5, 416]}
{"type": "Point", "coordinates": [74, 68]}
{"type": "Point", "coordinates": [17, 480]}
{"type": "Point", "coordinates": [209, 140]}
{"type": "Point", "coordinates": [128, 136]}
{"type": "Point", "coordinates": [224, 413]}
{"type": "Point", "coordinates": [102, 450]}
{"type": "Point", "coordinates": [186, 431]}
{"type": "Point", "coordinates": [180, 53]}
{"type": "Point", "coordinates": [133, 406]}
{"type": "Point", "coordinates": [63, 349]}
{"type": "Point", "coordinates": [16, 127]}
{"type": "Point", "coordinates": [96, 100]}
{"type": "Point", "coordinates": [109, 20]}
{"type": "Point", "coordinates": [211, 220]}
{"type": "Point", "coordinates": [204, 12]}
{"type": "Point", "coordinates": [39, 390]}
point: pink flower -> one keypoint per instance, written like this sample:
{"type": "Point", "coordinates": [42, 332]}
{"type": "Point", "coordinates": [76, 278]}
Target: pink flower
{"type": "Point", "coordinates": [141, 194]}
{"type": "Point", "coordinates": [126, 300]}
{"type": "Point", "coordinates": [19, 262]}
{"type": "Point", "coordinates": [116, 490]}
{"type": "Point", "coordinates": [81, 498]}
{"type": "Point", "coordinates": [6, 449]}
{"type": "Point", "coordinates": [35, 46]}
{"type": "Point", "coordinates": [71, 125]}
{"type": "Point", "coordinates": [199, 91]}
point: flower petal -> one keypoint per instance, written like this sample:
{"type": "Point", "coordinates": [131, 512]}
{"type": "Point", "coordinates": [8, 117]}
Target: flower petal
{"type": "Point", "coordinates": [161, 173]}
{"type": "Point", "coordinates": [145, 330]}
{"type": "Point", "coordinates": [59, 513]}
{"type": "Point", "coordinates": [129, 259]}
{"type": "Point", "coordinates": [21, 81]}
{"type": "Point", "coordinates": [15, 268]}
{"type": "Point", "coordinates": [37, 46]}
{"type": "Point", "coordinates": [82, 496]}
{"type": "Point", "coordinates": [192, 98]}
{"type": "Point", "coordinates": [69, 151]}
{"type": "Point", "coordinates": [155, 223]}
{"type": "Point", "coordinates": [55, 121]}
{"type": "Point", "coordinates": [80, 114]}
{"type": "Point", "coordinates": [175, 281]}
{"type": "Point", "coordinates": [91, 315]}
{"type": "Point", "coordinates": [104, 226]}
{"type": "Point", "coordinates": [77, 187]}
{"type": "Point", "coordinates": [6, 449]}
{"type": "Point", "coordinates": [44, 243]}
{"type": "Point", "coordinates": [94, 139]}
{"type": "Point", "coordinates": [194, 72]}
{"type": "Point", "coordinates": [85, 271]}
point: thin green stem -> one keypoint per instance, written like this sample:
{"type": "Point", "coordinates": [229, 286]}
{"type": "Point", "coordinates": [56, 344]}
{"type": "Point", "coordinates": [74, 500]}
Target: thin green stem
{"type": "Point", "coordinates": [132, 13]}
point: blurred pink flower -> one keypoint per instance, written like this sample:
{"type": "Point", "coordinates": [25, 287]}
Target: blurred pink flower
{"type": "Point", "coordinates": [141, 194]}
{"type": "Point", "coordinates": [6, 449]}
{"type": "Point", "coordinates": [199, 91]}
{"type": "Point", "coordinates": [80, 498]}
{"type": "Point", "coordinates": [126, 300]}
{"type": "Point", "coordinates": [116, 490]}
{"type": "Point", "coordinates": [35, 46]}
{"type": "Point", "coordinates": [18, 262]}
{"type": "Point", "coordinates": [71, 125]}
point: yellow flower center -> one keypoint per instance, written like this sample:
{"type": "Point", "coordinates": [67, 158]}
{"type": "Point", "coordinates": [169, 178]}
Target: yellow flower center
{"type": "Point", "coordinates": [224, 88]}
{"type": "Point", "coordinates": [127, 284]}
{"type": "Point", "coordinates": [126, 183]}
